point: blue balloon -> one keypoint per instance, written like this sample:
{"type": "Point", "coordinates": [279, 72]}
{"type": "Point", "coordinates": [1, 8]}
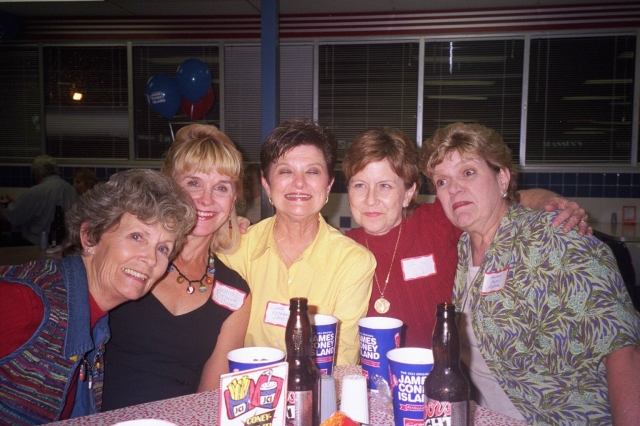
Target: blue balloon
{"type": "Point", "coordinates": [194, 79]}
{"type": "Point", "coordinates": [163, 95]}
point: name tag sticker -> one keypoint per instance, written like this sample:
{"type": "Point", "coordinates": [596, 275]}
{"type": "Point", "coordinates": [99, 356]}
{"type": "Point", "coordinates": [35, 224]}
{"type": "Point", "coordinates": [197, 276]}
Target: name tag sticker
{"type": "Point", "coordinates": [418, 267]}
{"type": "Point", "coordinates": [494, 281]}
{"type": "Point", "coordinates": [276, 314]}
{"type": "Point", "coordinates": [228, 296]}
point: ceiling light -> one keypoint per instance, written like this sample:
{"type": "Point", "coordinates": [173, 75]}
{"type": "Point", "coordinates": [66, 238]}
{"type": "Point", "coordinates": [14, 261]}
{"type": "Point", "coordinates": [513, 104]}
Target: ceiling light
{"type": "Point", "coordinates": [458, 83]}
{"type": "Point", "coordinates": [592, 98]}
{"type": "Point", "coordinates": [610, 81]}
{"type": "Point", "coordinates": [77, 96]}
{"type": "Point", "coordinates": [458, 97]}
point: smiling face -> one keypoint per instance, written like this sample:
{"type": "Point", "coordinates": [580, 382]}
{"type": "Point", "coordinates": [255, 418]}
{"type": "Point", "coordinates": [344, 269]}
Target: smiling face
{"type": "Point", "coordinates": [127, 261]}
{"type": "Point", "coordinates": [377, 196]}
{"type": "Point", "coordinates": [299, 183]}
{"type": "Point", "coordinates": [214, 196]}
{"type": "Point", "coordinates": [471, 192]}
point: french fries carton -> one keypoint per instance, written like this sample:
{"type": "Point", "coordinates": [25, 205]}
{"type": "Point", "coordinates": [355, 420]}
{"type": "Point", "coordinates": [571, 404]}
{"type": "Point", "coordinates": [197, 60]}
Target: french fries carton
{"type": "Point", "coordinates": [255, 397]}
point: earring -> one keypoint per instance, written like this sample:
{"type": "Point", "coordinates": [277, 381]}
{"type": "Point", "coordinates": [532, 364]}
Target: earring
{"type": "Point", "coordinates": [270, 202]}
{"type": "Point", "coordinates": [327, 200]}
{"type": "Point", "coordinates": [88, 250]}
{"type": "Point", "coordinates": [504, 195]}
{"type": "Point", "coordinates": [230, 227]}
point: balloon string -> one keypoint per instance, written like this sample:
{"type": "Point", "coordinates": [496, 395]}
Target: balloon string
{"type": "Point", "coordinates": [171, 128]}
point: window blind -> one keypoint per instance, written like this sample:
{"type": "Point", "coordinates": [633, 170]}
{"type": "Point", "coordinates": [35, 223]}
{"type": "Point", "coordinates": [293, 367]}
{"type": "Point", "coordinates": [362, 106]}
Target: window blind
{"type": "Point", "coordinates": [474, 81]}
{"type": "Point", "coordinates": [20, 118]}
{"type": "Point", "coordinates": [581, 100]}
{"type": "Point", "coordinates": [367, 85]}
{"type": "Point", "coordinates": [97, 125]}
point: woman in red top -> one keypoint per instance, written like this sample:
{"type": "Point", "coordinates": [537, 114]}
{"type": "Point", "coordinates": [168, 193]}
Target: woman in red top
{"type": "Point", "coordinates": [414, 243]}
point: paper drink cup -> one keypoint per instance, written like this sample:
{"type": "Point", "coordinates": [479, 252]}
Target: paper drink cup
{"type": "Point", "coordinates": [324, 332]}
{"type": "Point", "coordinates": [252, 357]}
{"type": "Point", "coordinates": [408, 367]}
{"type": "Point", "coordinates": [378, 335]}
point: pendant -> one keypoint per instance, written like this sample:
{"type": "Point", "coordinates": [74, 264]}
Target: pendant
{"type": "Point", "coordinates": [382, 305]}
{"type": "Point", "coordinates": [190, 289]}
{"type": "Point", "coordinates": [202, 288]}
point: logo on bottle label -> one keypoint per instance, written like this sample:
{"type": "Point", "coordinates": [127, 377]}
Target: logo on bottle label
{"type": "Point", "coordinates": [300, 408]}
{"type": "Point", "coordinates": [445, 413]}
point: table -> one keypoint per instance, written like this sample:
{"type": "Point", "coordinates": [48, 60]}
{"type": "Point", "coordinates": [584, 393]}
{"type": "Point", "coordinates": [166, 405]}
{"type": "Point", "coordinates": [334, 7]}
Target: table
{"type": "Point", "coordinates": [202, 409]}
{"type": "Point", "coordinates": [616, 232]}
{"type": "Point", "coordinates": [24, 254]}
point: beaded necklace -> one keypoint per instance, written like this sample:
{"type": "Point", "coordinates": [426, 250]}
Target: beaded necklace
{"type": "Point", "coordinates": [208, 269]}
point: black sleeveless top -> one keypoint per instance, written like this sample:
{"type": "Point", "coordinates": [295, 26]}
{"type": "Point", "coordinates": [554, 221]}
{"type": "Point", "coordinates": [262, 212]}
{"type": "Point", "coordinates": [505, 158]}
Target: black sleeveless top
{"type": "Point", "coordinates": [154, 355]}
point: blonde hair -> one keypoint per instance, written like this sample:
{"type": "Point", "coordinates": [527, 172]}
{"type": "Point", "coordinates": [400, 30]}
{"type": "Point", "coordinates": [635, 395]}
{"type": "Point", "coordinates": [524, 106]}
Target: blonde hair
{"type": "Point", "coordinates": [201, 148]}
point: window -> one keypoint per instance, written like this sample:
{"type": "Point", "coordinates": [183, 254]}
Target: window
{"type": "Point", "coordinates": [20, 117]}
{"type": "Point", "coordinates": [86, 102]}
{"type": "Point", "coordinates": [474, 81]}
{"type": "Point", "coordinates": [153, 133]}
{"type": "Point", "coordinates": [580, 104]}
{"type": "Point", "coordinates": [367, 85]}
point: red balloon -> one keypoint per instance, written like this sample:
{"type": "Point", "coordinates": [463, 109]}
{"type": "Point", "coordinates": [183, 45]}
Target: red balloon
{"type": "Point", "coordinates": [197, 110]}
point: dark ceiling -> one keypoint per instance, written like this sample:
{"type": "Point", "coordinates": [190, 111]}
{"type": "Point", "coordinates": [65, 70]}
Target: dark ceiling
{"type": "Point", "coordinates": [128, 8]}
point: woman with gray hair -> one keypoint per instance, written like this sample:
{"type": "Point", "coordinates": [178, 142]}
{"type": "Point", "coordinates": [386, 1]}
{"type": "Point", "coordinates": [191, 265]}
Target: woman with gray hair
{"type": "Point", "coordinates": [122, 236]}
{"type": "Point", "coordinates": [549, 332]}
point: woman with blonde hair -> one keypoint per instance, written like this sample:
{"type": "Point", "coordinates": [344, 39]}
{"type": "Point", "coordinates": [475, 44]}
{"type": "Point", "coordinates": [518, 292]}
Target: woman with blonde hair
{"type": "Point", "coordinates": [175, 341]}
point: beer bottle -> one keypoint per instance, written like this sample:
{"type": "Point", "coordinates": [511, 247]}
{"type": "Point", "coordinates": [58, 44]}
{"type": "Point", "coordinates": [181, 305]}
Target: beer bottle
{"type": "Point", "coordinates": [303, 396]}
{"type": "Point", "coordinates": [446, 389]}
{"type": "Point", "coordinates": [57, 231]}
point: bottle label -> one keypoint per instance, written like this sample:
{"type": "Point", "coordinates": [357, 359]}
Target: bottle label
{"type": "Point", "coordinates": [445, 413]}
{"type": "Point", "coordinates": [300, 408]}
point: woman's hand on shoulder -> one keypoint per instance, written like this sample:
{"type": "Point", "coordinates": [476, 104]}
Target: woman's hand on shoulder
{"type": "Point", "coordinates": [571, 215]}
{"type": "Point", "coordinates": [243, 224]}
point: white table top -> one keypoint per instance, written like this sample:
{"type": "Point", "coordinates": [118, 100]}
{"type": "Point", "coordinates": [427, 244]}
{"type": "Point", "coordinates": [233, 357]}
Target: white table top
{"type": "Point", "coordinates": [202, 409]}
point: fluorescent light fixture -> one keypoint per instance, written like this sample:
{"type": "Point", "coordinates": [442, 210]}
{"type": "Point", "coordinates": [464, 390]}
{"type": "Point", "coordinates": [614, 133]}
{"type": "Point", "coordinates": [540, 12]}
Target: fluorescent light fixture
{"type": "Point", "coordinates": [77, 96]}
{"type": "Point", "coordinates": [584, 133]}
{"type": "Point", "coordinates": [39, 1]}
{"type": "Point", "coordinates": [458, 83]}
{"type": "Point", "coordinates": [458, 97]}
{"type": "Point", "coordinates": [592, 98]}
{"type": "Point", "coordinates": [610, 81]}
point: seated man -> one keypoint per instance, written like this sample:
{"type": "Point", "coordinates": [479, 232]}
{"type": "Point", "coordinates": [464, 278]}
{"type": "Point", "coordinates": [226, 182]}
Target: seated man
{"type": "Point", "coordinates": [33, 212]}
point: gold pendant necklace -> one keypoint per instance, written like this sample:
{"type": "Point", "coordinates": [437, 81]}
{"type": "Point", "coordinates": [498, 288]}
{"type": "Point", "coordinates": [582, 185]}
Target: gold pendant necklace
{"type": "Point", "coordinates": [382, 305]}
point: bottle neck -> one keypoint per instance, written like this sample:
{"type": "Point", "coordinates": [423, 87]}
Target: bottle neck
{"type": "Point", "coordinates": [446, 344]}
{"type": "Point", "coordinates": [298, 334]}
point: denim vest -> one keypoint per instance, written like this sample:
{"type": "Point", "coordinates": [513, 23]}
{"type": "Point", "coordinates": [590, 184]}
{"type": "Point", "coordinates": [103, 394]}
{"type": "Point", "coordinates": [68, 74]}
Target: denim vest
{"type": "Point", "coordinates": [35, 378]}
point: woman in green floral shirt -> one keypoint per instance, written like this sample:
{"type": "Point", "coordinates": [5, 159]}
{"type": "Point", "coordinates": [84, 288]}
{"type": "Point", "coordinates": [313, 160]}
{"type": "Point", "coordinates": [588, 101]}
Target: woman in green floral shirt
{"type": "Point", "coordinates": [552, 335]}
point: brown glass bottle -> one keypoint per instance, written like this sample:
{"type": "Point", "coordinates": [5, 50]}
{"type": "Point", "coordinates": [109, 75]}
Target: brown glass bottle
{"type": "Point", "coordinates": [303, 396]}
{"type": "Point", "coordinates": [446, 388]}
{"type": "Point", "coordinates": [57, 230]}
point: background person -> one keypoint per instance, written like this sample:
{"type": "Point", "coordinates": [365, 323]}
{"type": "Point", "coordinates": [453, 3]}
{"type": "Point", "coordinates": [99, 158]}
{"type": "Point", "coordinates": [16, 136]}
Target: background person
{"type": "Point", "coordinates": [53, 314]}
{"type": "Point", "coordinates": [415, 245]}
{"type": "Point", "coordinates": [84, 179]}
{"type": "Point", "coordinates": [32, 213]}
{"type": "Point", "coordinates": [175, 340]}
{"type": "Point", "coordinates": [550, 332]}
{"type": "Point", "coordinates": [296, 253]}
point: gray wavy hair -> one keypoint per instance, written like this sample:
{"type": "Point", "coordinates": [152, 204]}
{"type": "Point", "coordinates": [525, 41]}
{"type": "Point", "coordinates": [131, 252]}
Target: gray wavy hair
{"type": "Point", "coordinates": [151, 196]}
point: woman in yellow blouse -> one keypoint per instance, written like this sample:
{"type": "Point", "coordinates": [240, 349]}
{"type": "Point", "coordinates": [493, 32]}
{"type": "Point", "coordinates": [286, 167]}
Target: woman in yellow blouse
{"type": "Point", "coordinates": [296, 253]}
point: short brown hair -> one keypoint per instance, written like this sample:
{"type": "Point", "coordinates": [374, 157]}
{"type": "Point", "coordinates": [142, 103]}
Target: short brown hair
{"type": "Point", "coordinates": [385, 143]}
{"type": "Point", "coordinates": [151, 196]}
{"type": "Point", "coordinates": [474, 139]}
{"type": "Point", "coordinates": [202, 148]}
{"type": "Point", "coordinates": [297, 132]}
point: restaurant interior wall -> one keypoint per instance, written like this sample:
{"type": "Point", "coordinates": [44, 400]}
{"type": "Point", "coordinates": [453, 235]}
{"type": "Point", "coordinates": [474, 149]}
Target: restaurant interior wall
{"type": "Point", "coordinates": [349, 79]}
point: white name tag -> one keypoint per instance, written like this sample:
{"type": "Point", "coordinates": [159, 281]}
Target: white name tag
{"type": "Point", "coordinates": [494, 281]}
{"type": "Point", "coordinates": [276, 314]}
{"type": "Point", "coordinates": [418, 267]}
{"type": "Point", "coordinates": [227, 296]}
